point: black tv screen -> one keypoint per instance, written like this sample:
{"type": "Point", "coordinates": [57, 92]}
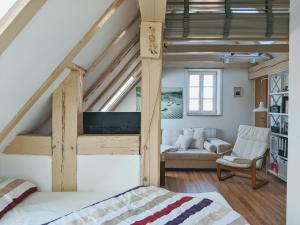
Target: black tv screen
{"type": "Point", "coordinates": [112, 122]}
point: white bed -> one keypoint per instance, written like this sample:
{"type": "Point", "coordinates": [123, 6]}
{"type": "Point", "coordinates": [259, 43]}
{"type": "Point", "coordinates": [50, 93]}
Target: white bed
{"type": "Point", "coordinates": [42, 207]}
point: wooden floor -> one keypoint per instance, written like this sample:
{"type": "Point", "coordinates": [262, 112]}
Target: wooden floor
{"type": "Point", "coordinates": [265, 206]}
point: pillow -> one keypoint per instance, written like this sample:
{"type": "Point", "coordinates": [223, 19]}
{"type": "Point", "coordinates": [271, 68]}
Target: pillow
{"type": "Point", "coordinates": [199, 137]}
{"type": "Point", "coordinates": [12, 192]}
{"type": "Point", "coordinates": [183, 142]}
{"type": "Point", "coordinates": [169, 137]}
{"type": "Point", "coordinates": [189, 132]}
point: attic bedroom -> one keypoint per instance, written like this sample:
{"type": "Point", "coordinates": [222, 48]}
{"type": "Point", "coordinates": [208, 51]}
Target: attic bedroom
{"type": "Point", "coordinates": [149, 112]}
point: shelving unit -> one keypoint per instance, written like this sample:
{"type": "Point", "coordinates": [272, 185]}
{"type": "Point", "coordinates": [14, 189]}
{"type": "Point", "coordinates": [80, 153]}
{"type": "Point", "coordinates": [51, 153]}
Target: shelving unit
{"type": "Point", "coordinates": [278, 122]}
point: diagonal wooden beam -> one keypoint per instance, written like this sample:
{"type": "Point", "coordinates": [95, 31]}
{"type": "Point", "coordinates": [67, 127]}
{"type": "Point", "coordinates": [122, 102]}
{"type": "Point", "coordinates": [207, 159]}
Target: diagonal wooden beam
{"type": "Point", "coordinates": [64, 63]}
{"type": "Point", "coordinates": [112, 44]}
{"type": "Point", "coordinates": [132, 60]}
{"type": "Point", "coordinates": [16, 19]}
{"type": "Point", "coordinates": [115, 86]}
{"type": "Point", "coordinates": [112, 66]}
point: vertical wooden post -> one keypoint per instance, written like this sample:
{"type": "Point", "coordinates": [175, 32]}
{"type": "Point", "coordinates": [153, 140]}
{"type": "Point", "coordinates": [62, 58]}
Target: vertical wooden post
{"type": "Point", "coordinates": [66, 125]}
{"type": "Point", "coordinates": [151, 48]}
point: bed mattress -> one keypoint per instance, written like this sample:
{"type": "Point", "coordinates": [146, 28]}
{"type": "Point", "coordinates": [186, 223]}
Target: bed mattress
{"type": "Point", "coordinates": [42, 207]}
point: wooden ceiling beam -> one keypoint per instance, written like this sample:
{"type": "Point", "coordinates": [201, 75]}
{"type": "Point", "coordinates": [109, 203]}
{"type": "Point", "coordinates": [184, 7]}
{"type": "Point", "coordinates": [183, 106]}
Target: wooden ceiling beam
{"type": "Point", "coordinates": [16, 19]}
{"type": "Point", "coordinates": [271, 66]}
{"type": "Point", "coordinates": [111, 67]}
{"type": "Point", "coordinates": [113, 43]}
{"type": "Point", "coordinates": [59, 69]}
{"type": "Point", "coordinates": [227, 48]}
{"type": "Point", "coordinates": [131, 61]}
{"type": "Point", "coordinates": [194, 39]}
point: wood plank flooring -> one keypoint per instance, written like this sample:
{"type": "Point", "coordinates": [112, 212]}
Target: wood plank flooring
{"type": "Point", "coordinates": [265, 206]}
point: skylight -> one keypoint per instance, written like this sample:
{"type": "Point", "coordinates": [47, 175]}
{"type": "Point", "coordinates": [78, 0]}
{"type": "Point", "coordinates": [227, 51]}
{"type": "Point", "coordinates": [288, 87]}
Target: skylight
{"type": "Point", "coordinates": [5, 6]}
{"type": "Point", "coordinates": [118, 94]}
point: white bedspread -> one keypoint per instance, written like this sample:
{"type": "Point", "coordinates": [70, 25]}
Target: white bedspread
{"type": "Point", "coordinates": [42, 207]}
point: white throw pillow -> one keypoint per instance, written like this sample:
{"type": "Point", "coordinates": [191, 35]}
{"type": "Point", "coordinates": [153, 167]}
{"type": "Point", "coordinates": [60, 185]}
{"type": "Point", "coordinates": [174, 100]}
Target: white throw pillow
{"type": "Point", "coordinates": [199, 137]}
{"type": "Point", "coordinates": [169, 137]}
{"type": "Point", "coordinates": [183, 142]}
{"type": "Point", "coordinates": [189, 132]}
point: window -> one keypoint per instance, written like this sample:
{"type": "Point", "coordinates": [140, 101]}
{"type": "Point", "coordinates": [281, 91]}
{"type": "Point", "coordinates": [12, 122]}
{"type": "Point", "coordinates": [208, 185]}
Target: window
{"type": "Point", "coordinates": [204, 92]}
{"type": "Point", "coordinates": [112, 101]}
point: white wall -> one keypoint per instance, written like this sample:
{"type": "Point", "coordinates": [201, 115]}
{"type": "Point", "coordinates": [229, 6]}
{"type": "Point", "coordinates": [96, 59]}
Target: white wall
{"type": "Point", "coordinates": [236, 111]}
{"type": "Point", "coordinates": [94, 173]}
{"type": "Point", "coordinates": [293, 184]}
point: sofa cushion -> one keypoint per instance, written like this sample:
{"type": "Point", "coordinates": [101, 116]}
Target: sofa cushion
{"type": "Point", "coordinates": [169, 137]}
{"type": "Point", "coordinates": [199, 137]}
{"type": "Point", "coordinates": [193, 154]}
{"type": "Point", "coordinates": [188, 132]}
{"type": "Point", "coordinates": [183, 142]}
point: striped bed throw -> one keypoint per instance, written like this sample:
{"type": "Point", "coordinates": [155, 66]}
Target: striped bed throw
{"type": "Point", "coordinates": [152, 205]}
{"type": "Point", "coordinates": [12, 192]}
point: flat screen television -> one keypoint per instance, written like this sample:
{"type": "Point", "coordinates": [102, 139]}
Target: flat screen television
{"type": "Point", "coordinates": [112, 122]}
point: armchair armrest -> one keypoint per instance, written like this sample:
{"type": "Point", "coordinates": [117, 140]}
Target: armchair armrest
{"type": "Point", "coordinates": [254, 161]}
{"type": "Point", "coordinates": [220, 155]}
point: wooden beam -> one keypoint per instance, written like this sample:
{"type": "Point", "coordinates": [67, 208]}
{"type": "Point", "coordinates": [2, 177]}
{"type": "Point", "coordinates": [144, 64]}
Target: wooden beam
{"type": "Point", "coordinates": [279, 48]}
{"type": "Point", "coordinates": [16, 19]}
{"type": "Point", "coordinates": [111, 67]}
{"type": "Point", "coordinates": [30, 145]}
{"type": "Point", "coordinates": [58, 70]}
{"type": "Point", "coordinates": [132, 60]}
{"type": "Point", "coordinates": [66, 125]}
{"type": "Point", "coordinates": [113, 43]}
{"type": "Point", "coordinates": [276, 65]}
{"type": "Point", "coordinates": [153, 10]}
{"type": "Point", "coordinates": [199, 39]}
{"type": "Point", "coordinates": [151, 53]}
{"type": "Point", "coordinates": [108, 144]}
{"type": "Point", "coordinates": [75, 67]}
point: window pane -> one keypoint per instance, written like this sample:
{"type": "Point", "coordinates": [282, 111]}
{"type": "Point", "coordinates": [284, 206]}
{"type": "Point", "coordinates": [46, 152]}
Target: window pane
{"type": "Point", "coordinates": [208, 80]}
{"type": "Point", "coordinates": [194, 92]}
{"type": "Point", "coordinates": [208, 92]}
{"type": "Point", "coordinates": [207, 105]}
{"type": "Point", "coordinates": [194, 80]}
{"type": "Point", "coordinates": [194, 105]}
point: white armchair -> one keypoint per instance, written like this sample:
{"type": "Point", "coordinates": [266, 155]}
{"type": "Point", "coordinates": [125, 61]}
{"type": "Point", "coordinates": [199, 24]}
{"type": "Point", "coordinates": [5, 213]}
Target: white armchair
{"type": "Point", "coordinates": [247, 155]}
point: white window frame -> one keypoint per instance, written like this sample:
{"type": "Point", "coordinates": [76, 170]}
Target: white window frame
{"type": "Point", "coordinates": [217, 102]}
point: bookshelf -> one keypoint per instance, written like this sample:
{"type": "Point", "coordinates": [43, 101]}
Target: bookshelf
{"type": "Point", "coordinates": [278, 122]}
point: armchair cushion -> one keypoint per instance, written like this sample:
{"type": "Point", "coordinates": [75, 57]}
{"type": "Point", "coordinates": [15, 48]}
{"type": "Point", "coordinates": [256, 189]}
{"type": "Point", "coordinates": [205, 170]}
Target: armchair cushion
{"type": "Point", "coordinates": [252, 142]}
{"type": "Point", "coordinates": [232, 164]}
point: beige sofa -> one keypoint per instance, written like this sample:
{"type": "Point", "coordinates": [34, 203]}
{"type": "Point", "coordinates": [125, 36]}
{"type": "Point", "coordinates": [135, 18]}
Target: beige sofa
{"type": "Point", "coordinates": [192, 158]}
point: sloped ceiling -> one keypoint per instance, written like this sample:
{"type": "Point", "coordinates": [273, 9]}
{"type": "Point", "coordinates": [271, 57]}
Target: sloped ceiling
{"type": "Point", "coordinates": [43, 44]}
